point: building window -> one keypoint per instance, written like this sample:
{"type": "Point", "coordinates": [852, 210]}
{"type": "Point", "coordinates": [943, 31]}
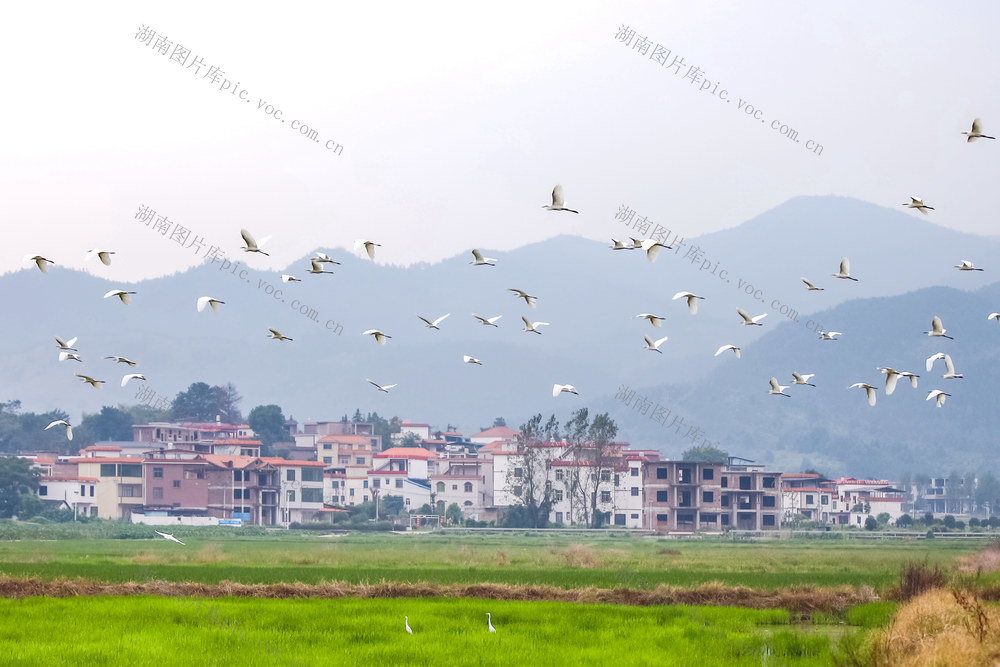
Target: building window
{"type": "Point", "coordinates": [606, 497]}
{"type": "Point", "coordinates": [343, 460]}
{"type": "Point", "coordinates": [177, 483]}
{"type": "Point", "coordinates": [559, 495]}
{"type": "Point", "coordinates": [399, 483]}
{"type": "Point", "coordinates": [312, 475]}
{"type": "Point", "coordinates": [454, 487]}
{"type": "Point", "coordinates": [768, 519]}
{"type": "Point", "coordinates": [351, 492]}
{"type": "Point", "coordinates": [707, 497]}
{"type": "Point", "coordinates": [635, 491]}
{"type": "Point", "coordinates": [107, 470]}
{"type": "Point", "coordinates": [241, 493]}
{"type": "Point", "coordinates": [825, 500]}
{"type": "Point", "coordinates": [809, 499]}
{"type": "Point", "coordinates": [685, 518]}
{"type": "Point", "coordinates": [559, 475]}
{"type": "Point", "coordinates": [241, 475]}
{"type": "Point", "coordinates": [635, 473]}
{"type": "Point", "coordinates": [745, 484]}
{"type": "Point", "coordinates": [518, 473]}
{"type": "Point", "coordinates": [467, 503]}
{"type": "Point", "coordinates": [129, 490]}
{"type": "Point", "coordinates": [440, 487]}
{"type": "Point", "coordinates": [360, 460]}
{"type": "Point", "coordinates": [327, 445]}
{"type": "Point", "coordinates": [44, 491]}
{"type": "Point", "coordinates": [661, 473]}
{"type": "Point", "coordinates": [661, 496]}
{"type": "Point", "coordinates": [130, 469]}
{"type": "Point", "coordinates": [605, 475]}
{"type": "Point", "coordinates": [327, 460]}
{"type": "Point", "coordinates": [558, 517]}
{"type": "Point", "coordinates": [708, 473]}
{"type": "Point", "coordinates": [769, 482]}
{"type": "Point", "coordinates": [635, 516]}
{"type": "Point", "coordinates": [662, 518]}
{"type": "Point", "coordinates": [685, 499]}
{"type": "Point", "coordinates": [725, 482]}
{"type": "Point", "coordinates": [517, 491]}
{"type": "Point", "coordinates": [684, 475]}
{"type": "Point", "coordinates": [619, 519]}
{"type": "Point", "coordinates": [91, 490]}
{"type": "Point", "coordinates": [364, 484]}
{"type": "Point", "coordinates": [158, 493]}
{"type": "Point", "coordinates": [83, 490]}
{"type": "Point", "coordinates": [708, 517]}
{"type": "Point", "coordinates": [725, 500]}
{"type": "Point", "coordinates": [157, 472]}
{"type": "Point", "coordinates": [468, 487]}
{"type": "Point", "coordinates": [290, 475]}
{"type": "Point", "coordinates": [724, 519]}
{"type": "Point", "coordinates": [291, 495]}
{"type": "Point", "coordinates": [768, 501]}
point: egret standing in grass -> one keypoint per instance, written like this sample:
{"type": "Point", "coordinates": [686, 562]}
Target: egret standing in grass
{"type": "Point", "coordinates": [406, 622]}
{"type": "Point", "coordinates": [489, 622]}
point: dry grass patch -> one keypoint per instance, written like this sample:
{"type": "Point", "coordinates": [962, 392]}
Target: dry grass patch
{"type": "Point", "coordinates": [210, 553]}
{"type": "Point", "coordinates": [987, 560]}
{"type": "Point", "coordinates": [580, 555]}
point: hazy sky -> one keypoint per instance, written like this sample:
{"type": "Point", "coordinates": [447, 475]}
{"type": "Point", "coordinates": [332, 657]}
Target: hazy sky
{"type": "Point", "coordinates": [456, 119]}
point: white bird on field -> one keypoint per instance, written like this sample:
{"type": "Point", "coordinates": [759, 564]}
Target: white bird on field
{"type": "Point", "coordinates": [802, 378]}
{"type": "Point", "coordinates": [811, 287]}
{"type": "Point", "coordinates": [369, 247]}
{"type": "Point", "coordinates": [121, 294]}
{"type": "Point", "coordinates": [316, 266]}
{"type": "Point", "coordinates": [323, 257]}
{"type": "Point", "coordinates": [168, 536]}
{"type": "Point", "coordinates": [558, 201]}
{"type": "Point", "coordinates": [655, 320]}
{"type": "Point", "coordinates": [777, 389]}
{"type": "Point", "coordinates": [977, 132]}
{"type": "Point", "coordinates": [532, 327]}
{"type": "Point", "coordinates": [692, 300]}
{"type": "Point", "coordinates": [966, 265]}
{"type": "Point", "coordinates": [385, 388]}
{"type": "Point", "coordinates": [868, 388]}
{"type": "Point", "coordinates": [66, 344]}
{"type": "Point", "coordinates": [61, 422]}
{"type": "Point", "coordinates": [750, 321]}
{"type": "Point", "coordinates": [950, 373]}
{"type": "Point", "coordinates": [208, 301]}
{"type": "Point", "coordinates": [380, 337]}
{"type": "Point", "coordinates": [275, 334]}
{"type": "Point", "coordinates": [560, 388]}
{"type": "Point", "coordinates": [406, 621]}
{"type": "Point", "coordinates": [480, 260]}
{"type": "Point", "coordinates": [39, 261]}
{"type": "Point", "coordinates": [122, 360]}
{"type": "Point", "coordinates": [937, 393]}
{"type": "Point", "coordinates": [654, 345]}
{"type": "Point", "coordinates": [991, 316]}
{"type": "Point", "coordinates": [521, 294]}
{"type": "Point", "coordinates": [63, 356]}
{"type": "Point", "coordinates": [618, 245]}
{"type": "Point", "coordinates": [103, 255]}
{"type": "Point", "coordinates": [845, 270]}
{"type": "Point", "coordinates": [918, 203]}
{"type": "Point", "coordinates": [252, 245]}
{"type": "Point", "coordinates": [652, 248]}
{"type": "Point", "coordinates": [471, 360]}
{"type": "Point", "coordinates": [132, 376]}
{"type": "Point", "coordinates": [722, 349]}
{"type": "Point", "coordinates": [489, 622]}
{"type": "Point", "coordinates": [435, 323]}
{"type": "Point", "coordinates": [285, 278]}
{"type": "Point", "coordinates": [96, 384]}
{"type": "Point", "coordinates": [937, 329]}
{"type": "Point", "coordinates": [829, 335]}
{"type": "Point", "coordinates": [487, 321]}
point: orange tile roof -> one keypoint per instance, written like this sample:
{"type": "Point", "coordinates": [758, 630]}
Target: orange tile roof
{"type": "Point", "coordinates": [105, 459]}
{"type": "Point", "coordinates": [497, 432]}
{"type": "Point", "coordinates": [278, 461]}
{"type": "Point", "coordinates": [405, 453]}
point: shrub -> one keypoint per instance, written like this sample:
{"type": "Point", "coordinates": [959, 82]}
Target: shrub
{"type": "Point", "coordinates": [917, 578]}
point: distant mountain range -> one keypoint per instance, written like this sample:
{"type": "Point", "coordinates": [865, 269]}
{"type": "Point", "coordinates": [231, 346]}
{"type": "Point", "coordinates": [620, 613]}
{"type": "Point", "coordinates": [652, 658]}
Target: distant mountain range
{"type": "Point", "coordinates": [590, 295]}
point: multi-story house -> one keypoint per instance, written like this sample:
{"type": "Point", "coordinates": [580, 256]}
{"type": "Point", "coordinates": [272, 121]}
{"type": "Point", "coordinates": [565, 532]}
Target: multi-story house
{"type": "Point", "coordinates": [119, 484]}
{"type": "Point", "coordinates": [465, 481]}
{"type": "Point", "coordinates": [301, 495]}
{"type": "Point", "coordinates": [335, 487]}
{"type": "Point", "coordinates": [72, 492]}
{"type": "Point", "coordinates": [242, 487]}
{"type": "Point", "coordinates": [402, 471]}
{"type": "Point", "coordinates": [861, 498]}
{"type": "Point", "coordinates": [801, 495]}
{"type": "Point", "coordinates": [176, 484]}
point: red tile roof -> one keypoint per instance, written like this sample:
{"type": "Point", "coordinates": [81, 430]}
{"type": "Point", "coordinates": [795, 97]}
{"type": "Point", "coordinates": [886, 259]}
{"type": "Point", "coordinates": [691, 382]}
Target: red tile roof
{"type": "Point", "coordinates": [497, 432]}
{"type": "Point", "coordinates": [278, 461]}
{"type": "Point", "coordinates": [405, 453]}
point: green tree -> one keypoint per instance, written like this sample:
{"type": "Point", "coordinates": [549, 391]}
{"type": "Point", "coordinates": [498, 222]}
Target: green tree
{"type": "Point", "coordinates": [904, 521]}
{"type": "Point", "coordinates": [227, 403]}
{"type": "Point", "coordinates": [453, 514]}
{"type": "Point", "coordinates": [593, 449]}
{"type": "Point", "coordinates": [705, 454]}
{"type": "Point", "coordinates": [16, 478]}
{"type": "Point", "coordinates": [949, 521]}
{"type": "Point", "coordinates": [526, 477]}
{"type": "Point", "coordinates": [883, 518]}
{"type": "Point", "coordinates": [108, 424]}
{"type": "Point", "coordinates": [871, 523]}
{"type": "Point", "coordinates": [268, 424]}
{"type": "Point", "coordinates": [357, 418]}
{"type": "Point", "coordinates": [499, 421]}
{"type": "Point", "coordinates": [197, 403]}
{"type": "Point", "coordinates": [30, 506]}
{"type": "Point", "coordinates": [409, 440]}
{"type": "Point", "coordinates": [425, 509]}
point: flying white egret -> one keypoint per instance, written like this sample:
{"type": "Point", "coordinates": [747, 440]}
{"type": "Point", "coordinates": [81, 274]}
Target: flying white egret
{"type": "Point", "coordinates": [380, 337]}
{"type": "Point", "coordinates": [385, 388]}
{"type": "Point", "coordinates": [937, 329]}
{"type": "Point", "coordinates": [471, 360]}
{"type": "Point", "coordinates": [369, 247]}
{"type": "Point", "coordinates": [949, 366]}
{"type": "Point", "coordinates": [868, 388]}
{"type": "Point", "coordinates": [435, 323]}
{"type": "Point", "coordinates": [811, 287]}
{"type": "Point", "coordinates": [654, 345]}
{"type": "Point", "coordinates": [63, 356]}
{"type": "Point", "coordinates": [802, 378]}
{"type": "Point", "coordinates": [315, 266]}
{"type": "Point", "coordinates": [636, 244]}
{"type": "Point", "coordinates": [966, 265]}
{"type": "Point", "coordinates": [891, 375]}
{"type": "Point", "coordinates": [275, 334]}
{"type": "Point", "coordinates": [406, 621]}
{"type": "Point", "coordinates": [480, 260]}
{"type": "Point", "coordinates": [618, 245]}
{"type": "Point", "coordinates": [991, 316]}
{"type": "Point", "coordinates": [912, 376]}
{"type": "Point", "coordinates": [777, 389]}
{"type": "Point", "coordinates": [722, 349]}
{"type": "Point", "coordinates": [918, 203]}
{"type": "Point", "coordinates": [67, 344]}
{"type": "Point", "coordinates": [487, 321]}
{"type": "Point", "coordinates": [845, 270]}
{"type": "Point", "coordinates": [208, 301]}
{"type": "Point", "coordinates": [652, 248]}
{"type": "Point", "coordinates": [558, 201]}
{"type": "Point", "coordinates": [168, 536]}
{"type": "Point", "coordinates": [977, 133]}
{"type": "Point", "coordinates": [750, 321]}
{"type": "Point", "coordinates": [121, 294]}
{"type": "Point", "coordinates": [40, 262]}
{"type": "Point", "coordinates": [122, 360]}
{"type": "Point", "coordinates": [532, 327]}
{"type": "Point", "coordinates": [489, 622]}
{"type": "Point", "coordinates": [103, 255]}
{"type": "Point", "coordinates": [323, 257]}
{"type": "Point", "coordinates": [285, 278]}
{"type": "Point", "coordinates": [829, 335]}
{"type": "Point", "coordinates": [132, 376]}
{"type": "Point", "coordinates": [252, 245]}
{"type": "Point", "coordinates": [560, 388]}
{"type": "Point", "coordinates": [61, 422]}
{"type": "Point", "coordinates": [655, 320]}
{"type": "Point", "coordinates": [692, 300]}
{"type": "Point", "coordinates": [96, 384]}
{"type": "Point", "coordinates": [521, 294]}
{"type": "Point", "coordinates": [937, 393]}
